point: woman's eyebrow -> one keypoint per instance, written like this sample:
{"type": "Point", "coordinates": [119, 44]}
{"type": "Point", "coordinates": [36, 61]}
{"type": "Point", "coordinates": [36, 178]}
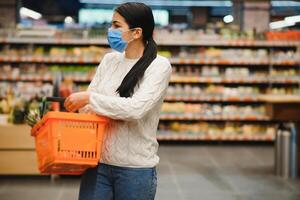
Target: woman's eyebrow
{"type": "Point", "coordinates": [115, 22]}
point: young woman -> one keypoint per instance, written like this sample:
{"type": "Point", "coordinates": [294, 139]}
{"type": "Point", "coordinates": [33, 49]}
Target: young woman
{"type": "Point", "coordinates": [128, 87]}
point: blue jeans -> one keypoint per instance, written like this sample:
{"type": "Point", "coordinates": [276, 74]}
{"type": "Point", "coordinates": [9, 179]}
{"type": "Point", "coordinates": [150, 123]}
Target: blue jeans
{"type": "Point", "coordinates": [107, 182]}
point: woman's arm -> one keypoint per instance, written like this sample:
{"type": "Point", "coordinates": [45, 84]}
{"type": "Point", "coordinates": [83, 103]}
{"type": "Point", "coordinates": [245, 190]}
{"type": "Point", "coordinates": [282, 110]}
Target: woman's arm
{"type": "Point", "coordinates": [150, 91]}
{"type": "Point", "coordinates": [93, 84]}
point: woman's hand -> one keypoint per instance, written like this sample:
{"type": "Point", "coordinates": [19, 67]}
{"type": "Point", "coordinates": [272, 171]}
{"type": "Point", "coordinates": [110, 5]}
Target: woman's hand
{"type": "Point", "coordinates": [76, 101]}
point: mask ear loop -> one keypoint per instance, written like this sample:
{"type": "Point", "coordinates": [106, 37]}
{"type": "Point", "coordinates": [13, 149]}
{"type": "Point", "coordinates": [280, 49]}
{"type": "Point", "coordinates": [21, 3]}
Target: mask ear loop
{"type": "Point", "coordinates": [132, 38]}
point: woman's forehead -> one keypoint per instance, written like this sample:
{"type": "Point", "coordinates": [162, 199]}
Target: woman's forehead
{"type": "Point", "coordinates": [117, 18]}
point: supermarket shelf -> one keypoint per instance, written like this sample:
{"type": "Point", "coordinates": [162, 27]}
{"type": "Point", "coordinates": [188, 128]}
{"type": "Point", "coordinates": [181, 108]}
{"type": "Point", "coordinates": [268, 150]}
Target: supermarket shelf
{"type": "Point", "coordinates": [35, 79]}
{"type": "Point", "coordinates": [294, 98]}
{"type": "Point", "coordinates": [43, 59]}
{"type": "Point", "coordinates": [180, 42]}
{"type": "Point", "coordinates": [219, 80]}
{"type": "Point", "coordinates": [285, 81]}
{"type": "Point", "coordinates": [204, 81]}
{"type": "Point", "coordinates": [97, 60]}
{"type": "Point", "coordinates": [192, 61]}
{"type": "Point", "coordinates": [57, 41]}
{"type": "Point", "coordinates": [183, 137]}
{"type": "Point", "coordinates": [229, 43]}
{"type": "Point", "coordinates": [27, 79]}
{"type": "Point", "coordinates": [27, 142]}
{"type": "Point", "coordinates": [170, 117]}
{"type": "Point", "coordinates": [213, 99]}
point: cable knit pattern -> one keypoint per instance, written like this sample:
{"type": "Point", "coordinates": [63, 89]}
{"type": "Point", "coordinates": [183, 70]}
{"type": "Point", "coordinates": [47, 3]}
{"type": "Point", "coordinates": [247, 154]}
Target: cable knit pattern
{"type": "Point", "coordinates": [130, 140]}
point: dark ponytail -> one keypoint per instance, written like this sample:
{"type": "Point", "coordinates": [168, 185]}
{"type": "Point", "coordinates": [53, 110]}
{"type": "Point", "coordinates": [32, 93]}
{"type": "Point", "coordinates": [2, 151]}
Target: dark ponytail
{"type": "Point", "coordinates": [138, 15]}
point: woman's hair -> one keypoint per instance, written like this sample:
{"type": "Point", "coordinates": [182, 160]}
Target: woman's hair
{"type": "Point", "coordinates": [138, 15]}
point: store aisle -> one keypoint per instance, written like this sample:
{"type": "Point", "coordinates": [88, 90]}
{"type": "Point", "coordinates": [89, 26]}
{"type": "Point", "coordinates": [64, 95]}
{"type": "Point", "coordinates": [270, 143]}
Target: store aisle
{"type": "Point", "coordinates": [185, 173]}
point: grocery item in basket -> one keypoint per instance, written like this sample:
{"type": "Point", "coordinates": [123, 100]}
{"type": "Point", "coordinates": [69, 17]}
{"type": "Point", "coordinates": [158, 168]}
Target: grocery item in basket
{"type": "Point", "coordinates": [33, 117]}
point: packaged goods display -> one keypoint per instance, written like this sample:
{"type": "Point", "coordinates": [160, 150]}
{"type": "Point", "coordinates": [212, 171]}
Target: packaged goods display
{"type": "Point", "coordinates": [235, 56]}
{"type": "Point", "coordinates": [289, 35]}
{"type": "Point", "coordinates": [206, 74]}
{"type": "Point", "coordinates": [17, 99]}
{"type": "Point", "coordinates": [42, 72]}
{"type": "Point", "coordinates": [211, 92]}
{"type": "Point", "coordinates": [211, 33]}
{"type": "Point", "coordinates": [216, 81]}
{"type": "Point", "coordinates": [53, 54]}
{"type": "Point", "coordinates": [214, 74]}
{"type": "Point", "coordinates": [93, 54]}
{"type": "Point", "coordinates": [212, 111]}
{"type": "Point", "coordinates": [215, 129]}
{"type": "Point", "coordinates": [26, 90]}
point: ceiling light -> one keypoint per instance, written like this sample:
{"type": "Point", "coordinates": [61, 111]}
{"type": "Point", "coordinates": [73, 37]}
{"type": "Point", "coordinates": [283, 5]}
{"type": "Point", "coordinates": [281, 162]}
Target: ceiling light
{"type": "Point", "coordinates": [228, 19]}
{"type": "Point", "coordinates": [292, 19]}
{"type": "Point", "coordinates": [25, 12]}
{"type": "Point", "coordinates": [280, 24]}
{"type": "Point", "coordinates": [69, 20]}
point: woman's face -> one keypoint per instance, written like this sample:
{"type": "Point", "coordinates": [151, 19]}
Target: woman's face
{"type": "Point", "coordinates": [118, 22]}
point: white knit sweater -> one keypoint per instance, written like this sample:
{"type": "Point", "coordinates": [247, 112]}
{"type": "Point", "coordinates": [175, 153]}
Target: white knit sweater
{"type": "Point", "coordinates": [130, 140]}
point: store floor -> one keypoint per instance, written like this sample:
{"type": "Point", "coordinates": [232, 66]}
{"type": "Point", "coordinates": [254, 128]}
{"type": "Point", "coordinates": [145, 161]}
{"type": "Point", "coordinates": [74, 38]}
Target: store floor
{"type": "Point", "coordinates": [197, 172]}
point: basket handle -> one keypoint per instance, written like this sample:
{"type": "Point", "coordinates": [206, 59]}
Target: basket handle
{"type": "Point", "coordinates": [56, 99]}
{"type": "Point", "coordinates": [61, 101]}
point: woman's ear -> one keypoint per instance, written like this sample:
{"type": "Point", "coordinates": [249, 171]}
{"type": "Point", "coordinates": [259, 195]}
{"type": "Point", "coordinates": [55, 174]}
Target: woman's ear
{"type": "Point", "coordinates": [138, 33]}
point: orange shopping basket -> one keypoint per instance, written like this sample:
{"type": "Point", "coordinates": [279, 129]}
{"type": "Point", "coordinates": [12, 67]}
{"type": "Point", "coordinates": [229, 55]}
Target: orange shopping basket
{"type": "Point", "coordinates": [68, 143]}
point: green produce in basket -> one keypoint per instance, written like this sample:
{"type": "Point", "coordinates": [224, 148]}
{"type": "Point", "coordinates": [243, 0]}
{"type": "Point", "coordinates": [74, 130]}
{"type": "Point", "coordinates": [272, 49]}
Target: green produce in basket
{"type": "Point", "coordinates": [33, 117]}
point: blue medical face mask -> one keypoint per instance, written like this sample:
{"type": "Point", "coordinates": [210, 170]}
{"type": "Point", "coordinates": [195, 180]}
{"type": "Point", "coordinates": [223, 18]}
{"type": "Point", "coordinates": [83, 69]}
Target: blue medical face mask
{"type": "Point", "coordinates": [115, 40]}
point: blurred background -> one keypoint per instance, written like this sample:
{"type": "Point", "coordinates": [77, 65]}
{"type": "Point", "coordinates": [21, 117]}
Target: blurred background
{"type": "Point", "coordinates": [228, 126]}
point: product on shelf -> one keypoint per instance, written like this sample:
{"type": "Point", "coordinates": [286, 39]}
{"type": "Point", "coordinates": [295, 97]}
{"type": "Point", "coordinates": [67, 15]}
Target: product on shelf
{"type": "Point", "coordinates": [206, 74]}
{"type": "Point", "coordinates": [64, 53]}
{"type": "Point", "coordinates": [225, 55]}
{"type": "Point", "coordinates": [25, 72]}
{"type": "Point", "coordinates": [17, 100]}
{"type": "Point", "coordinates": [213, 31]}
{"type": "Point", "coordinates": [76, 73]}
{"type": "Point", "coordinates": [41, 72]}
{"type": "Point", "coordinates": [207, 71]}
{"type": "Point", "coordinates": [165, 53]}
{"type": "Point", "coordinates": [188, 110]}
{"type": "Point", "coordinates": [244, 74]}
{"type": "Point", "coordinates": [216, 129]}
{"type": "Point", "coordinates": [241, 92]}
{"type": "Point", "coordinates": [16, 97]}
{"type": "Point", "coordinates": [26, 90]}
{"type": "Point", "coordinates": [236, 56]}
{"type": "Point", "coordinates": [290, 35]}
{"type": "Point", "coordinates": [286, 75]}
{"type": "Point", "coordinates": [211, 92]}
{"type": "Point", "coordinates": [283, 91]}
{"type": "Point", "coordinates": [210, 55]}
{"type": "Point", "coordinates": [284, 57]}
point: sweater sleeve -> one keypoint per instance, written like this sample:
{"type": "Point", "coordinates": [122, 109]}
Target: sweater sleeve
{"type": "Point", "coordinates": [97, 77]}
{"type": "Point", "coordinates": [149, 92]}
{"type": "Point", "coordinates": [93, 85]}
